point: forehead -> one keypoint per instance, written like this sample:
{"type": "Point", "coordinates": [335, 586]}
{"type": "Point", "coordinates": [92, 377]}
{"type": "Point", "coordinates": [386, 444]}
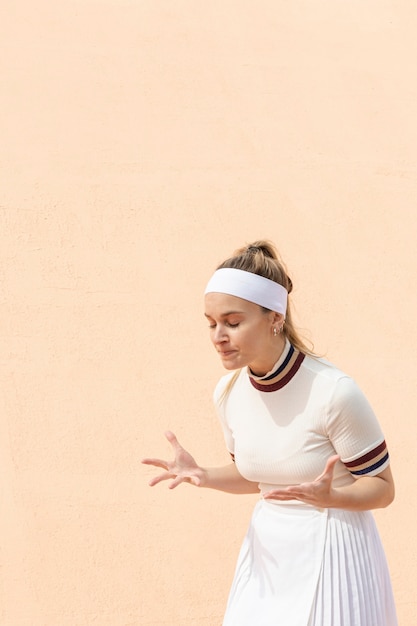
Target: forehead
{"type": "Point", "coordinates": [218, 304]}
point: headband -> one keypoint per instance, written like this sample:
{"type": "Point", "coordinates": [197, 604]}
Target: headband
{"type": "Point", "coordinates": [249, 286]}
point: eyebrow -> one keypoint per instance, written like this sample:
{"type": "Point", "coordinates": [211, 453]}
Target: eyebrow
{"type": "Point", "coordinates": [228, 313]}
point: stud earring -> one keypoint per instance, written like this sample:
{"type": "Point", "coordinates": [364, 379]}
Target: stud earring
{"type": "Point", "coordinates": [275, 332]}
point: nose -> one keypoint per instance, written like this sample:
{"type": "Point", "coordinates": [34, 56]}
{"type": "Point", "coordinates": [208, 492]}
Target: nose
{"type": "Point", "coordinates": [219, 334]}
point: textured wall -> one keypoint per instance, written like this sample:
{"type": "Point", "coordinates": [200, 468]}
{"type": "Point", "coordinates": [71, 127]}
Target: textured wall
{"type": "Point", "coordinates": [141, 142]}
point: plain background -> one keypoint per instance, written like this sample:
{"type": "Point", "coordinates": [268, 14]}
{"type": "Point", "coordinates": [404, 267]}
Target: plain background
{"type": "Point", "coordinates": [142, 142]}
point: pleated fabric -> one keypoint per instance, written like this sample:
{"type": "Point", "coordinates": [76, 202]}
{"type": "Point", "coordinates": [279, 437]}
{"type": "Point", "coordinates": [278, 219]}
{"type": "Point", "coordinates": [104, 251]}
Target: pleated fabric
{"type": "Point", "coordinates": [354, 587]}
{"type": "Point", "coordinates": [302, 566]}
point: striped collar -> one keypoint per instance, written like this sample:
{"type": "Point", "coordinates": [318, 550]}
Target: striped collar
{"type": "Point", "coordinates": [283, 371]}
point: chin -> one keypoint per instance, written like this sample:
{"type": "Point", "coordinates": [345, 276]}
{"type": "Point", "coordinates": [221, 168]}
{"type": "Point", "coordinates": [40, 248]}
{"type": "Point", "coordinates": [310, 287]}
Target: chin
{"type": "Point", "coordinates": [230, 366]}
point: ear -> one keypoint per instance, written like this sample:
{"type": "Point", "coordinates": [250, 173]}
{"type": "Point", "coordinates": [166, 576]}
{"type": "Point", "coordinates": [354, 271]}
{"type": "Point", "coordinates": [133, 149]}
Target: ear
{"type": "Point", "coordinates": [277, 318]}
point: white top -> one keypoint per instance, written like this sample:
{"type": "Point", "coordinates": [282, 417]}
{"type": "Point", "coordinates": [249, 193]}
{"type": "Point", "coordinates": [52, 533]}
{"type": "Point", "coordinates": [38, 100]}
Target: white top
{"type": "Point", "coordinates": [285, 437]}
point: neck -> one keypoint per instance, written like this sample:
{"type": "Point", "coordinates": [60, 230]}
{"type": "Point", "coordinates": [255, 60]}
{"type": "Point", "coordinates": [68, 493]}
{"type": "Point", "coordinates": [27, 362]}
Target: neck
{"type": "Point", "coordinates": [261, 369]}
{"type": "Point", "coordinates": [285, 369]}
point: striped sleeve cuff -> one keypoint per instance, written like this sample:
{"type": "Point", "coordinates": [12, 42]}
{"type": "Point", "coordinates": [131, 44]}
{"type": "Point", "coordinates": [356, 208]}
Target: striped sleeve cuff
{"type": "Point", "coordinates": [371, 463]}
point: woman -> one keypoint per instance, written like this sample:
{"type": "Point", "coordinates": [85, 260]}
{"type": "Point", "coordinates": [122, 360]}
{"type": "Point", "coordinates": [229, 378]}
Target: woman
{"type": "Point", "coordinates": [302, 434]}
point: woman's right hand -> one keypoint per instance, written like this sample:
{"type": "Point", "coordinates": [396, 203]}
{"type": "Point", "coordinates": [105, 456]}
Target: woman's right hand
{"type": "Point", "coordinates": [183, 469]}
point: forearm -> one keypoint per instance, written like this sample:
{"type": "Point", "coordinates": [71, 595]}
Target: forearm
{"type": "Point", "coordinates": [227, 478]}
{"type": "Point", "coordinates": [368, 492]}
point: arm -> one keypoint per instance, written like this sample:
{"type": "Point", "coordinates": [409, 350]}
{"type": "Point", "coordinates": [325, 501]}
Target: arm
{"type": "Point", "coordinates": [367, 492]}
{"type": "Point", "coordinates": [228, 479]}
{"type": "Point", "coordinates": [184, 469]}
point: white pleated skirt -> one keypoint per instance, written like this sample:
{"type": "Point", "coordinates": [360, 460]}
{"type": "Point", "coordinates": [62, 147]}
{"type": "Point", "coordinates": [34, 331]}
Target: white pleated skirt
{"type": "Point", "coordinates": [302, 566]}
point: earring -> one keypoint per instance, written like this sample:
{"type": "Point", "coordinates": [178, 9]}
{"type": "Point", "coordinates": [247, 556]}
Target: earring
{"type": "Point", "coordinates": [275, 332]}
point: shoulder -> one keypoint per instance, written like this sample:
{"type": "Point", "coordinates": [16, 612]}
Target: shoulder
{"type": "Point", "coordinates": [322, 368]}
{"type": "Point", "coordinates": [341, 386]}
{"type": "Point", "coordinates": [226, 383]}
{"type": "Point", "coordinates": [223, 384]}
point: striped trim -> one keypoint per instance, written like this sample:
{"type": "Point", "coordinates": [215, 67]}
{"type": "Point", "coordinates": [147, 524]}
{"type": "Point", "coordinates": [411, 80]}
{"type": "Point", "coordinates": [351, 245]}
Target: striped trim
{"type": "Point", "coordinates": [283, 366]}
{"type": "Point", "coordinates": [286, 371]}
{"type": "Point", "coordinates": [370, 461]}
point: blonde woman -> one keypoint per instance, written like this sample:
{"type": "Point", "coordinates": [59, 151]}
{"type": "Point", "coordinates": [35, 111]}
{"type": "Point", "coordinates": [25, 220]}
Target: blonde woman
{"type": "Point", "coordinates": [301, 434]}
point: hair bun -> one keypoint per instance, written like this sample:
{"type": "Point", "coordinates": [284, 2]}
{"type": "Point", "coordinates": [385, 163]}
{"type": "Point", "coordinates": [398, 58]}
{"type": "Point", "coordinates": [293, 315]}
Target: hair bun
{"type": "Point", "coordinates": [266, 248]}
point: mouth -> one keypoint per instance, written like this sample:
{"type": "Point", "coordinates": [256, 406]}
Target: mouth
{"type": "Point", "coordinates": [226, 353]}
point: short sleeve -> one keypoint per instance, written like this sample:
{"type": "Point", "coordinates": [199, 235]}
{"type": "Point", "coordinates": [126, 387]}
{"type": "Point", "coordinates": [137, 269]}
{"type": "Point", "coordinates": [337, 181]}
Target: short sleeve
{"type": "Point", "coordinates": [219, 403]}
{"type": "Point", "coordinates": [354, 431]}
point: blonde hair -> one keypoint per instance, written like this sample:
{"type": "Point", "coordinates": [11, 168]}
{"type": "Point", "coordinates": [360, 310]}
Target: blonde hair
{"type": "Point", "coordinates": [261, 257]}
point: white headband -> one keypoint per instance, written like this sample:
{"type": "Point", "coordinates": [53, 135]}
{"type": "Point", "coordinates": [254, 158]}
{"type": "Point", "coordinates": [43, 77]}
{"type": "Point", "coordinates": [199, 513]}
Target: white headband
{"type": "Point", "coordinates": [249, 286]}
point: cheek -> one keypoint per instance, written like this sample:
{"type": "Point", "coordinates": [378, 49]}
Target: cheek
{"type": "Point", "coordinates": [251, 342]}
{"type": "Point", "coordinates": [261, 338]}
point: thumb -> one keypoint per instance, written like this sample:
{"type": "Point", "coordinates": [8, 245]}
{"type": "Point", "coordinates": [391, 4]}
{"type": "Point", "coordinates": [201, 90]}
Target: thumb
{"type": "Point", "coordinates": [329, 468]}
{"type": "Point", "coordinates": [172, 440]}
{"type": "Point", "coordinates": [330, 465]}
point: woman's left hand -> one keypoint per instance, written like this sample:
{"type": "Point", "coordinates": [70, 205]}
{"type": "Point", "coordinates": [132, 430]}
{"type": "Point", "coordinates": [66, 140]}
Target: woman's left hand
{"type": "Point", "coordinates": [319, 493]}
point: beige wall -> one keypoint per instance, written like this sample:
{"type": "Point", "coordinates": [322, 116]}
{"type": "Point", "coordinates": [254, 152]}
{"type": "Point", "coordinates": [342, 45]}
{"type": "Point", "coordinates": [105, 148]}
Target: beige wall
{"type": "Point", "coordinates": [141, 142]}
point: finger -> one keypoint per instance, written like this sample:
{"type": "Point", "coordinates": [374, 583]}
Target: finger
{"type": "Point", "coordinates": [173, 440]}
{"type": "Point", "coordinates": [329, 467]}
{"type": "Point", "coordinates": [282, 497]}
{"type": "Point", "coordinates": [177, 481]}
{"type": "Point", "coordinates": [158, 479]}
{"type": "Point", "coordinates": [299, 494]}
{"type": "Point", "coordinates": [195, 481]}
{"type": "Point", "coordinates": [185, 479]}
{"type": "Point", "coordinates": [156, 463]}
{"type": "Point", "coordinates": [278, 494]}
{"type": "Point", "coordinates": [333, 460]}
